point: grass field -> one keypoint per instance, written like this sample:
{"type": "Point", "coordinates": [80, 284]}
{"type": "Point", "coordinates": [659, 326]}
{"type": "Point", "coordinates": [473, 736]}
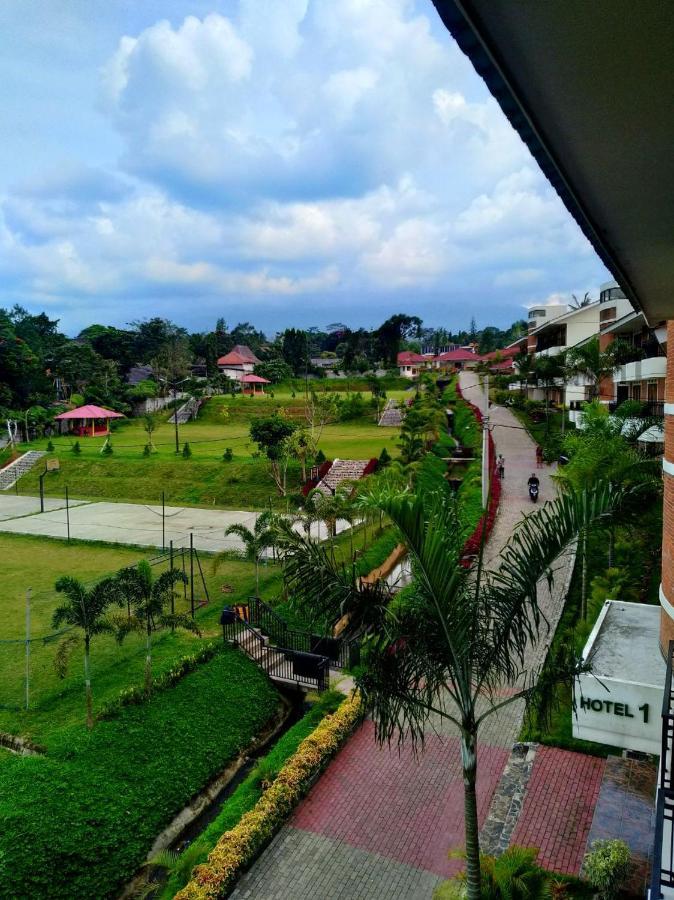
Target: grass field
{"type": "Point", "coordinates": [37, 563]}
{"type": "Point", "coordinates": [204, 479]}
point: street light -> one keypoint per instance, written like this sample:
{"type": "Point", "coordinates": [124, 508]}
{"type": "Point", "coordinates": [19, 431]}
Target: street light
{"type": "Point", "coordinates": [174, 387]}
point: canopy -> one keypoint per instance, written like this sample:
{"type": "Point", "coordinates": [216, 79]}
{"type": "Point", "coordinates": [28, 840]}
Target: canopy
{"type": "Point", "coordinates": [653, 435]}
{"type": "Point", "coordinates": [90, 412]}
{"type": "Point", "coordinates": [254, 379]}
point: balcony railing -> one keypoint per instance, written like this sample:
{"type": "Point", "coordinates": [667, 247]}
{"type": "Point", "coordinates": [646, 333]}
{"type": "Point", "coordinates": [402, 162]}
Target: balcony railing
{"type": "Point", "coordinates": [654, 409]}
{"type": "Point", "coordinates": [662, 875]}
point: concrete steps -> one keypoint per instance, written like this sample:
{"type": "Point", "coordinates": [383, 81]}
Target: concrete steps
{"type": "Point", "coordinates": [11, 473]}
{"type": "Point", "coordinates": [342, 470]}
{"type": "Point", "coordinates": [392, 415]}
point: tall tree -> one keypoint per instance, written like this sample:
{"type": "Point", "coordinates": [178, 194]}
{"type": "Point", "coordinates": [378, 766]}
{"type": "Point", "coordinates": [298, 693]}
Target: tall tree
{"type": "Point", "coordinates": [588, 361]}
{"type": "Point", "coordinates": [83, 608]}
{"type": "Point", "coordinates": [393, 332]}
{"type": "Point", "coordinates": [451, 645]}
{"type": "Point", "coordinates": [271, 436]}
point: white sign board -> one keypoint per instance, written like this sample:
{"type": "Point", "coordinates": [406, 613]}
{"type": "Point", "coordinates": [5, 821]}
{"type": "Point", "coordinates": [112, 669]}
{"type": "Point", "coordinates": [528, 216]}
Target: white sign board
{"type": "Point", "coordinates": [620, 701]}
{"type": "Point", "coordinates": [618, 713]}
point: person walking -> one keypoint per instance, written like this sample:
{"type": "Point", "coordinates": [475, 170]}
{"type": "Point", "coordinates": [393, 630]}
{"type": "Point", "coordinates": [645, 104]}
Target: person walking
{"type": "Point", "coordinates": [539, 456]}
{"type": "Point", "coordinates": [500, 466]}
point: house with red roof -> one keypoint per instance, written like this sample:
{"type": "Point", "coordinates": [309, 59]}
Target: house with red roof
{"type": "Point", "coordinates": [238, 362]}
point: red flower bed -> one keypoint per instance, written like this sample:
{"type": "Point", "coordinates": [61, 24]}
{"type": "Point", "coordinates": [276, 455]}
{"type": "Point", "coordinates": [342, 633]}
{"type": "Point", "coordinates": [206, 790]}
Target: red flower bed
{"type": "Point", "coordinates": [472, 546]}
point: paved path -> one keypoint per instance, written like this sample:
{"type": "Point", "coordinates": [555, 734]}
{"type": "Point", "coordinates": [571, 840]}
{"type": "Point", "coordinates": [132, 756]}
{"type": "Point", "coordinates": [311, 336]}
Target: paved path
{"type": "Point", "coordinates": [379, 825]}
{"type": "Point", "coordinates": [129, 523]}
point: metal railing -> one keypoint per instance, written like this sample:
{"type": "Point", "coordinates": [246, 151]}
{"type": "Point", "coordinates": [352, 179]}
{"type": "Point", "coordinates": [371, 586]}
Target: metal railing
{"type": "Point", "coordinates": [342, 653]}
{"type": "Point", "coordinates": [305, 669]}
{"type": "Point", "coordinates": [662, 874]}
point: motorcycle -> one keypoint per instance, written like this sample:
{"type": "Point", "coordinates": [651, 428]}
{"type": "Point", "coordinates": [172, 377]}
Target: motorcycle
{"type": "Point", "coordinates": [533, 493]}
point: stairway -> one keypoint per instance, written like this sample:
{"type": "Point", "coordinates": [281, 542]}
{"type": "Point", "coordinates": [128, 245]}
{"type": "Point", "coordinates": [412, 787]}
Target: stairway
{"type": "Point", "coordinates": [186, 412]}
{"type": "Point", "coordinates": [392, 416]}
{"type": "Point", "coordinates": [276, 663]}
{"type": "Point", "coordinates": [342, 470]}
{"type": "Point", "coordinates": [11, 473]}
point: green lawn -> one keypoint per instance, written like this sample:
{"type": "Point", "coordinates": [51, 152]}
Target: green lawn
{"type": "Point", "coordinates": [204, 479]}
{"type": "Point", "coordinates": [78, 822]}
{"type": "Point", "coordinates": [37, 563]}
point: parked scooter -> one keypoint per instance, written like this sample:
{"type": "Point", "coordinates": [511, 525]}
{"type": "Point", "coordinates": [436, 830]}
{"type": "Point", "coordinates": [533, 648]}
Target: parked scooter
{"type": "Point", "coordinates": [534, 487]}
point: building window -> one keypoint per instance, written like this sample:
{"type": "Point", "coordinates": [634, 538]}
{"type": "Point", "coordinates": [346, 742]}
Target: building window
{"type": "Point", "coordinates": [613, 293]}
{"type": "Point", "coordinates": [652, 388]}
{"type": "Point", "coordinates": [536, 313]}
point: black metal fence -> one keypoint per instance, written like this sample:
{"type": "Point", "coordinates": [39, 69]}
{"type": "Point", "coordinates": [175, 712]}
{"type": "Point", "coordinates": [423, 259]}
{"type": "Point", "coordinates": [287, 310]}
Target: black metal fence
{"type": "Point", "coordinates": [305, 669]}
{"type": "Point", "coordinates": [342, 653]}
{"type": "Point", "coordinates": [662, 874]}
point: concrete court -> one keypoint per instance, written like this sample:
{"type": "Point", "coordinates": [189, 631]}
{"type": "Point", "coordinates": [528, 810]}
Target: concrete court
{"type": "Point", "coordinates": [130, 523]}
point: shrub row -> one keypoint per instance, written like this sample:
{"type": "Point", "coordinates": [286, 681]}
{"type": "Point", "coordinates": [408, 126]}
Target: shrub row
{"type": "Point", "coordinates": [135, 695]}
{"type": "Point", "coordinates": [249, 791]}
{"type": "Point", "coordinates": [237, 848]}
{"type": "Point", "coordinates": [77, 823]}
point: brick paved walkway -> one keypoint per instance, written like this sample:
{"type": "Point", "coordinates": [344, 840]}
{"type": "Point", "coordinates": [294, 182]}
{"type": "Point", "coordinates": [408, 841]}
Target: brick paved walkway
{"type": "Point", "coordinates": [379, 824]}
{"type": "Point", "coordinates": [558, 807]}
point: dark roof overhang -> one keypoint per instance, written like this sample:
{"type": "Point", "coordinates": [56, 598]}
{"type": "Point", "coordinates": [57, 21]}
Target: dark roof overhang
{"type": "Point", "coordinates": [590, 89]}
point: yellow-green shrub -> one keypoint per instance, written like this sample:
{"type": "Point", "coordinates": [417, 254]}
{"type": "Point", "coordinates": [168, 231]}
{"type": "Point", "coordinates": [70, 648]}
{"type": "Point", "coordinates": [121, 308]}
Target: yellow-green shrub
{"type": "Point", "coordinates": [237, 848]}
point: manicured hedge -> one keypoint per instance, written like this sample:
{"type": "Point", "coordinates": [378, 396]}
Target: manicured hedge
{"type": "Point", "coordinates": [237, 848]}
{"type": "Point", "coordinates": [78, 822]}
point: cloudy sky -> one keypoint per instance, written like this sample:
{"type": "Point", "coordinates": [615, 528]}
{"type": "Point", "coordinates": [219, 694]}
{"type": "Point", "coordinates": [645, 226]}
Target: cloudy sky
{"type": "Point", "coordinates": [285, 163]}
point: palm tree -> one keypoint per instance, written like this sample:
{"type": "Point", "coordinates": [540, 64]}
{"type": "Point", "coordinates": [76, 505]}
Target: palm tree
{"type": "Point", "coordinates": [147, 597]}
{"type": "Point", "coordinates": [82, 608]}
{"type": "Point", "coordinates": [592, 363]}
{"type": "Point", "coordinates": [550, 370]}
{"type": "Point", "coordinates": [576, 303]}
{"type": "Point", "coordinates": [450, 646]}
{"type": "Point", "coordinates": [255, 541]}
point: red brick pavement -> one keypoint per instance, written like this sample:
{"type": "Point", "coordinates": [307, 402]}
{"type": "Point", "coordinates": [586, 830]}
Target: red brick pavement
{"type": "Point", "coordinates": [391, 804]}
{"type": "Point", "coordinates": [557, 813]}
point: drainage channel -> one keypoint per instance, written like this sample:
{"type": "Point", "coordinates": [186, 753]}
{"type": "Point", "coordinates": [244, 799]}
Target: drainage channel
{"type": "Point", "coordinates": [203, 809]}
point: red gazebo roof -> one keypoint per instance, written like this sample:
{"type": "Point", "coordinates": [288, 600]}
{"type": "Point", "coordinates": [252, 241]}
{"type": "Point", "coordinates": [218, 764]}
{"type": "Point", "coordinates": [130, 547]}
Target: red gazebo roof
{"type": "Point", "coordinates": [90, 412]}
{"type": "Point", "coordinates": [255, 379]}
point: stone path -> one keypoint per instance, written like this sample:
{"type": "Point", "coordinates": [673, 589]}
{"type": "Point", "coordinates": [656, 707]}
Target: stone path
{"type": "Point", "coordinates": [380, 824]}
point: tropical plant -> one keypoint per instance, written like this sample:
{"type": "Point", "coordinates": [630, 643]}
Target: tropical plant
{"type": "Point", "coordinates": [514, 875]}
{"type": "Point", "coordinates": [83, 608]}
{"type": "Point", "coordinates": [255, 541]}
{"type": "Point", "coordinates": [147, 598]}
{"type": "Point", "coordinates": [606, 867]}
{"type": "Point", "coordinates": [302, 445]}
{"type": "Point", "coordinates": [448, 646]}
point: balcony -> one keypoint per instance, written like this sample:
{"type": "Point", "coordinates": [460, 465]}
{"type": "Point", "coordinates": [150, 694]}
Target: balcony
{"type": "Point", "coordinates": [551, 351]}
{"type": "Point", "coordinates": [642, 369]}
{"type": "Point", "coordinates": [649, 408]}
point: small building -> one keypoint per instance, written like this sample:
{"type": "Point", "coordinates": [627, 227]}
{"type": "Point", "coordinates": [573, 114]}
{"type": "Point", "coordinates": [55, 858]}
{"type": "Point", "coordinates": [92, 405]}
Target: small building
{"type": "Point", "coordinates": [238, 362]}
{"type": "Point", "coordinates": [251, 383]}
{"type": "Point", "coordinates": [410, 364]}
{"type": "Point", "coordinates": [88, 420]}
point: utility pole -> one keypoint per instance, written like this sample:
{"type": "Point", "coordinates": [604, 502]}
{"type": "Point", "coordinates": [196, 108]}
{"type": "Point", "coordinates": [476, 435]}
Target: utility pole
{"type": "Point", "coordinates": [485, 444]}
{"type": "Point", "coordinates": [28, 592]}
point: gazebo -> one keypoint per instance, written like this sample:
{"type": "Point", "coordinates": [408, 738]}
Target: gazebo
{"type": "Point", "coordinates": [89, 420]}
{"type": "Point", "coordinates": [249, 384]}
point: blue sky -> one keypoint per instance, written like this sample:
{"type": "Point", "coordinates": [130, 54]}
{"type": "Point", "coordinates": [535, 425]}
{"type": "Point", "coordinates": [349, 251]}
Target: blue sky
{"type": "Point", "coordinates": [291, 163]}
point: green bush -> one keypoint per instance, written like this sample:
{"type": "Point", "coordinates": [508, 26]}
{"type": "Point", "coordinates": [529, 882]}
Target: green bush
{"type": "Point", "coordinates": [107, 449]}
{"type": "Point", "coordinates": [76, 449]}
{"type": "Point", "coordinates": [77, 823]}
{"type": "Point", "coordinates": [147, 450]}
{"type": "Point", "coordinates": [50, 446]}
{"type": "Point", "coordinates": [607, 866]}
{"type": "Point", "coordinates": [228, 455]}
